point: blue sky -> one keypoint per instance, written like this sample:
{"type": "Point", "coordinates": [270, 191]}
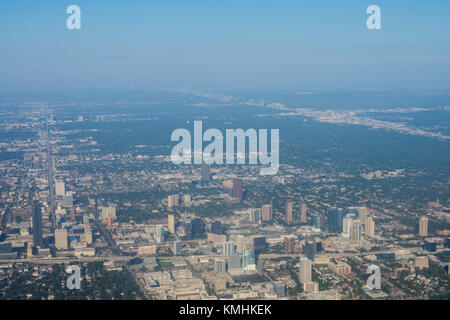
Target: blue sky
{"type": "Point", "coordinates": [295, 44]}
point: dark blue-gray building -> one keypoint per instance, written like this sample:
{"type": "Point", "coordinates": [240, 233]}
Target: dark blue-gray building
{"type": "Point", "coordinates": [310, 249]}
{"type": "Point", "coordinates": [429, 246]}
{"type": "Point", "coordinates": [280, 289]}
{"type": "Point", "coordinates": [6, 251]}
{"type": "Point", "coordinates": [217, 228]}
{"type": "Point", "coordinates": [37, 223]}
{"type": "Point", "coordinates": [335, 218]}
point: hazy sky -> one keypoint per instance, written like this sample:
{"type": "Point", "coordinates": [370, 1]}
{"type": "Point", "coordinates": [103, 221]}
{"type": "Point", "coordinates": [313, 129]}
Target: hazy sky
{"type": "Point", "coordinates": [257, 43]}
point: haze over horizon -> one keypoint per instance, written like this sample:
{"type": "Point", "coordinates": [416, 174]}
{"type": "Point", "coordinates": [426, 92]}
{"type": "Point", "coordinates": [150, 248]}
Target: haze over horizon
{"type": "Point", "coordinates": [256, 44]}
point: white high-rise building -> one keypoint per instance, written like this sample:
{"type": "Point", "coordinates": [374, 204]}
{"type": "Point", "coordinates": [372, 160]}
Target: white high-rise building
{"type": "Point", "coordinates": [187, 200]}
{"type": "Point", "coordinates": [108, 212]}
{"type": "Point", "coordinates": [303, 210]}
{"type": "Point", "coordinates": [61, 239]}
{"type": "Point", "coordinates": [171, 223]}
{"type": "Point", "coordinates": [60, 188]}
{"type": "Point", "coordinates": [305, 274]}
{"type": "Point", "coordinates": [228, 248]}
{"type": "Point", "coordinates": [355, 234]}
{"type": "Point", "coordinates": [369, 227]}
{"type": "Point", "coordinates": [347, 225]}
{"type": "Point", "coordinates": [173, 200]}
{"type": "Point", "coordinates": [363, 212]}
{"type": "Point", "coordinates": [254, 215]}
{"type": "Point", "coordinates": [423, 227]}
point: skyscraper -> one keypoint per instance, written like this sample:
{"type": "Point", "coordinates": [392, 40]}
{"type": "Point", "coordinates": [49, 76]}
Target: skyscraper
{"type": "Point", "coordinates": [237, 189]}
{"type": "Point", "coordinates": [335, 217]}
{"type": "Point", "coordinates": [257, 243]}
{"type": "Point", "coordinates": [355, 234]}
{"type": "Point", "coordinates": [266, 212]}
{"type": "Point", "coordinates": [37, 223]}
{"type": "Point", "coordinates": [60, 188]}
{"type": "Point", "coordinates": [302, 211]}
{"type": "Point", "coordinates": [160, 234]}
{"type": "Point", "coordinates": [198, 227]}
{"type": "Point", "coordinates": [109, 212]}
{"type": "Point", "coordinates": [289, 212]}
{"type": "Point", "coordinates": [310, 249]}
{"type": "Point", "coordinates": [173, 200]}
{"type": "Point", "coordinates": [279, 288]}
{"type": "Point", "coordinates": [216, 227]}
{"type": "Point", "coordinates": [228, 248]}
{"type": "Point", "coordinates": [206, 175]}
{"type": "Point", "coordinates": [289, 245]}
{"type": "Point", "coordinates": [347, 224]}
{"type": "Point", "coordinates": [67, 201]}
{"type": "Point", "coordinates": [242, 244]}
{"type": "Point", "coordinates": [220, 266]}
{"type": "Point", "coordinates": [305, 274]}
{"type": "Point", "coordinates": [423, 227]}
{"type": "Point", "coordinates": [187, 200]}
{"type": "Point", "coordinates": [255, 215]}
{"type": "Point", "coordinates": [369, 227]}
{"type": "Point", "coordinates": [316, 222]}
{"type": "Point", "coordinates": [61, 239]}
{"type": "Point", "coordinates": [177, 246]}
{"type": "Point", "coordinates": [171, 223]}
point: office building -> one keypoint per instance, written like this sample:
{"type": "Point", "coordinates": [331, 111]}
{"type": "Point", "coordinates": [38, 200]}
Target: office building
{"type": "Point", "coordinates": [60, 188]}
{"type": "Point", "coordinates": [198, 227]}
{"type": "Point", "coordinates": [173, 200]}
{"type": "Point", "coordinates": [242, 244]}
{"type": "Point", "coordinates": [279, 288]}
{"type": "Point", "coordinates": [355, 234]}
{"type": "Point", "coordinates": [303, 211]}
{"type": "Point", "coordinates": [310, 249]}
{"type": "Point", "coordinates": [335, 219]}
{"type": "Point", "coordinates": [289, 245]}
{"type": "Point", "coordinates": [266, 212]}
{"type": "Point", "coordinates": [237, 189]}
{"type": "Point", "coordinates": [347, 224]}
{"type": "Point", "coordinates": [6, 251]}
{"type": "Point", "coordinates": [171, 223]}
{"type": "Point", "coordinates": [177, 246]}
{"type": "Point", "coordinates": [429, 246]}
{"type": "Point", "coordinates": [36, 216]}
{"type": "Point", "coordinates": [160, 234]}
{"type": "Point", "coordinates": [220, 266]}
{"type": "Point", "coordinates": [363, 212]}
{"type": "Point", "coordinates": [188, 230]}
{"type": "Point", "coordinates": [255, 215]}
{"type": "Point", "coordinates": [217, 228]}
{"type": "Point", "coordinates": [228, 248]}
{"type": "Point", "coordinates": [423, 227]}
{"type": "Point", "coordinates": [340, 268]}
{"type": "Point", "coordinates": [67, 201]}
{"type": "Point", "coordinates": [316, 222]}
{"type": "Point", "coordinates": [305, 274]}
{"type": "Point", "coordinates": [109, 213]}
{"type": "Point", "coordinates": [289, 212]}
{"type": "Point", "coordinates": [369, 227]}
{"type": "Point", "coordinates": [234, 261]}
{"type": "Point", "coordinates": [186, 200]}
{"type": "Point", "coordinates": [61, 240]}
{"type": "Point", "coordinates": [257, 243]}
{"type": "Point", "coordinates": [421, 262]}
